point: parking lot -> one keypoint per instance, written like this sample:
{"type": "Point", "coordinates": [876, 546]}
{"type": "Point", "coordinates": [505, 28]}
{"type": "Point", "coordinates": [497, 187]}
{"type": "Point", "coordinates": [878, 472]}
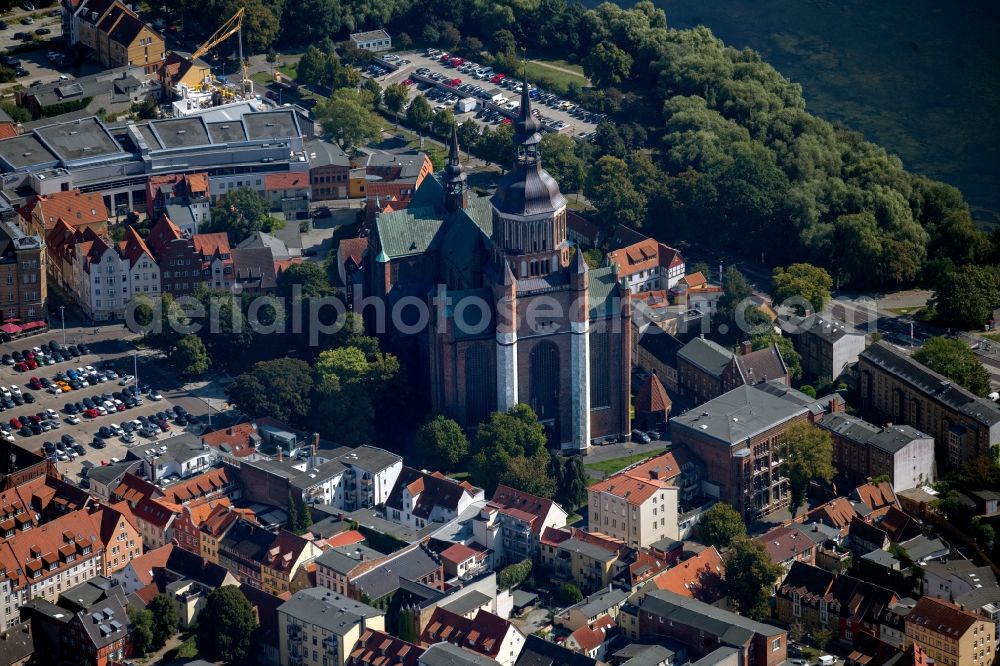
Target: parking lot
{"type": "Point", "coordinates": [34, 64]}
{"type": "Point", "coordinates": [503, 98]}
{"type": "Point", "coordinates": [107, 354]}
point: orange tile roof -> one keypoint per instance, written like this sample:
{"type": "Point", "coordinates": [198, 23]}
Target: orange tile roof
{"type": "Point", "coordinates": [836, 513]}
{"type": "Point", "coordinates": [208, 245]}
{"type": "Point", "coordinates": [197, 182]}
{"type": "Point", "coordinates": [207, 483]}
{"type": "Point", "coordinates": [38, 548]}
{"type": "Point", "coordinates": [652, 397]}
{"type": "Point", "coordinates": [286, 181]}
{"type": "Point", "coordinates": [134, 247]}
{"type": "Point", "coordinates": [74, 207]}
{"type": "Point", "coordinates": [7, 130]}
{"type": "Point", "coordinates": [458, 553]}
{"type": "Point", "coordinates": [694, 578]}
{"type": "Point", "coordinates": [590, 636]}
{"type": "Point", "coordinates": [942, 617]}
{"type": "Point", "coordinates": [636, 491]}
{"type": "Point", "coordinates": [879, 497]}
{"type": "Point", "coordinates": [644, 255]}
{"type": "Point", "coordinates": [146, 564]}
{"type": "Point", "coordinates": [348, 538]}
{"type": "Point", "coordinates": [353, 248]}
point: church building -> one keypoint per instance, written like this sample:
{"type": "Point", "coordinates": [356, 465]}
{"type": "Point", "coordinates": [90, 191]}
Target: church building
{"type": "Point", "coordinates": [513, 313]}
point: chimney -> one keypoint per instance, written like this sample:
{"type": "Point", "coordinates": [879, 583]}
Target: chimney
{"type": "Point", "coordinates": [281, 452]}
{"type": "Point", "coordinates": [745, 348]}
{"type": "Point", "coordinates": [315, 443]}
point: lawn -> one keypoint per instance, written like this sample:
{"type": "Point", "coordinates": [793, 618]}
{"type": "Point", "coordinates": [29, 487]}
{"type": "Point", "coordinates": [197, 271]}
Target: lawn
{"type": "Point", "coordinates": [553, 72]}
{"type": "Point", "coordinates": [186, 650]}
{"type": "Point", "coordinates": [612, 465]}
{"type": "Point", "coordinates": [288, 70]}
{"type": "Point", "coordinates": [992, 337]}
{"type": "Point", "coordinates": [905, 311]}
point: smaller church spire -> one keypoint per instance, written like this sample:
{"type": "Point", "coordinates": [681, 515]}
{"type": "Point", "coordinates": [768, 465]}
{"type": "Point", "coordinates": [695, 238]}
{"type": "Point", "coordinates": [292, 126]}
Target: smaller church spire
{"type": "Point", "coordinates": [579, 264]}
{"type": "Point", "coordinates": [454, 177]}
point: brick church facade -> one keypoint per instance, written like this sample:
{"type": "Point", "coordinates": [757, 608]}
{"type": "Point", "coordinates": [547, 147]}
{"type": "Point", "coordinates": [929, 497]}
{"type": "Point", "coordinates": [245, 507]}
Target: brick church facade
{"type": "Point", "coordinates": [514, 315]}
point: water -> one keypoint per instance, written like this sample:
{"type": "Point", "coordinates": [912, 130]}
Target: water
{"type": "Point", "coordinates": [921, 77]}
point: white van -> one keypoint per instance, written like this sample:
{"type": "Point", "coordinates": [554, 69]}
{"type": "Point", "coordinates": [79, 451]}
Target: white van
{"type": "Point", "coordinates": [827, 660]}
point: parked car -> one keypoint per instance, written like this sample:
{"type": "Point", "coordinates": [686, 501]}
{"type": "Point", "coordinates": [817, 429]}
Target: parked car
{"type": "Point", "coordinates": [640, 437]}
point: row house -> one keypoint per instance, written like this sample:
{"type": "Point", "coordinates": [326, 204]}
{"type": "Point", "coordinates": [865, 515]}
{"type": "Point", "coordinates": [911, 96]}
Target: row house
{"type": "Point", "coordinates": [895, 387]}
{"type": "Point", "coordinates": [262, 559]}
{"type": "Point", "coordinates": [119, 535]}
{"type": "Point", "coordinates": [187, 526]}
{"type": "Point", "coordinates": [216, 260]}
{"type": "Point", "coordinates": [420, 498]}
{"type": "Point", "coordinates": [841, 604]}
{"type": "Point", "coordinates": [639, 505]}
{"type": "Point", "coordinates": [46, 561]}
{"type": "Point", "coordinates": [79, 210]}
{"type": "Point", "coordinates": [511, 523]}
{"type": "Point", "coordinates": [89, 624]}
{"type": "Point", "coordinates": [23, 272]}
{"type": "Point", "coordinates": [699, 577]}
{"type": "Point", "coordinates": [594, 561]}
{"type": "Point", "coordinates": [486, 633]}
{"type": "Point", "coordinates": [317, 627]}
{"type": "Point", "coordinates": [950, 635]}
{"type": "Point", "coordinates": [647, 266]}
{"type": "Point", "coordinates": [183, 197]}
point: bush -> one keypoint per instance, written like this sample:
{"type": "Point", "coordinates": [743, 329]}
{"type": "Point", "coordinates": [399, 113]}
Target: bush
{"type": "Point", "coordinates": [513, 575]}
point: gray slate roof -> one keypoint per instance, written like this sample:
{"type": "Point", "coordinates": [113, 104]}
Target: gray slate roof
{"type": "Point", "coordinates": [890, 439]}
{"type": "Point", "coordinates": [706, 355]}
{"type": "Point", "coordinates": [738, 415]}
{"type": "Point", "coordinates": [446, 654]}
{"type": "Point", "coordinates": [411, 564]}
{"type": "Point", "coordinates": [327, 609]}
{"type": "Point", "coordinates": [732, 629]}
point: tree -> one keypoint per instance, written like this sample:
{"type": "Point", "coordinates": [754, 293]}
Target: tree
{"type": "Point", "coordinates": [347, 118]}
{"type": "Point", "coordinates": [280, 388]}
{"type": "Point", "coordinates": [442, 443]}
{"type": "Point", "coordinates": [750, 576]}
{"type": "Point", "coordinates": [165, 620]}
{"type": "Point", "coordinates": [513, 575]}
{"type": "Point", "coordinates": [442, 123]}
{"type": "Point", "coordinates": [190, 357]}
{"type": "Point", "coordinates": [241, 213]}
{"type": "Point", "coordinates": [736, 310]}
{"type": "Point", "coordinates": [569, 594]}
{"type": "Point", "coordinates": [609, 187]}
{"type": "Point", "coordinates": [226, 626]}
{"type": "Point", "coordinates": [571, 482]}
{"type": "Point", "coordinates": [141, 631]}
{"type": "Point", "coordinates": [953, 359]}
{"type": "Point", "coordinates": [299, 516]}
{"type": "Point", "coordinates": [803, 281]}
{"type": "Point", "coordinates": [420, 114]}
{"type": "Point", "coordinates": [310, 277]}
{"type": "Point", "coordinates": [559, 152]}
{"type": "Point", "coordinates": [310, 69]}
{"type": "Point", "coordinates": [607, 65]}
{"type": "Point", "coordinates": [374, 91]}
{"type": "Point", "coordinates": [510, 448]}
{"type": "Point", "coordinates": [721, 525]}
{"type": "Point", "coordinates": [504, 42]}
{"type": "Point", "coordinates": [350, 383]}
{"type": "Point", "coordinates": [965, 298]}
{"type": "Point", "coordinates": [395, 97]}
{"type": "Point", "coordinates": [808, 453]}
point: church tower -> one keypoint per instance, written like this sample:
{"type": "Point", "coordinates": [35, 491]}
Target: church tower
{"type": "Point", "coordinates": [529, 212]}
{"type": "Point", "coordinates": [455, 189]}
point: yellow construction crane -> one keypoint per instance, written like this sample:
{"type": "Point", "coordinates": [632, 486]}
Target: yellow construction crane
{"type": "Point", "coordinates": [233, 26]}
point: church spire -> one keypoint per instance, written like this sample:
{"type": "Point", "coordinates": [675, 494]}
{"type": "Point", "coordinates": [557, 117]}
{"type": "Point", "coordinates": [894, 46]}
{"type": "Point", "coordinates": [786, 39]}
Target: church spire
{"type": "Point", "coordinates": [527, 125]}
{"type": "Point", "coordinates": [454, 177]}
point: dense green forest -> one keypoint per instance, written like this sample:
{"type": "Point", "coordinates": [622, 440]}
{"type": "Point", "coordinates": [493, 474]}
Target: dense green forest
{"type": "Point", "coordinates": [709, 144]}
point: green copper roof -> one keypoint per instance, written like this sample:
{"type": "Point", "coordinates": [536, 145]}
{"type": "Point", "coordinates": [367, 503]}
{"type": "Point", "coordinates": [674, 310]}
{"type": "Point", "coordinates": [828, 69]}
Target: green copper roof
{"type": "Point", "coordinates": [602, 284]}
{"type": "Point", "coordinates": [382, 258]}
{"type": "Point", "coordinates": [409, 231]}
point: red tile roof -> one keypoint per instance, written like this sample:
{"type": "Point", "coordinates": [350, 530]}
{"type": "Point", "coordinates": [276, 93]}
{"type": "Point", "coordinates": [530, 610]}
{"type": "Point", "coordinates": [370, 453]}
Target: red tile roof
{"type": "Point", "coordinates": [458, 553]}
{"type": "Point", "coordinates": [74, 207]}
{"type": "Point", "coordinates": [286, 181]}
{"type": "Point", "coordinates": [786, 543]}
{"type": "Point", "coordinates": [352, 248]}
{"type": "Point", "coordinates": [836, 513]}
{"type": "Point", "coordinates": [348, 538]}
{"type": "Point", "coordinates": [7, 130]}
{"type": "Point", "coordinates": [533, 509]}
{"type": "Point", "coordinates": [211, 245]}
{"type": "Point", "coordinates": [377, 648]}
{"type": "Point", "coordinates": [134, 247]}
{"type": "Point", "coordinates": [146, 564]}
{"type": "Point", "coordinates": [483, 634]}
{"type": "Point", "coordinates": [590, 636]}
{"type": "Point", "coordinates": [879, 498]}
{"type": "Point", "coordinates": [941, 617]}
{"type": "Point", "coordinates": [208, 483]}
{"type": "Point", "coordinates": [696, 578]}
{"type": "Point", "coordinates": [644, 255]}
{"type": "Point", "coordinates": [652, 397]}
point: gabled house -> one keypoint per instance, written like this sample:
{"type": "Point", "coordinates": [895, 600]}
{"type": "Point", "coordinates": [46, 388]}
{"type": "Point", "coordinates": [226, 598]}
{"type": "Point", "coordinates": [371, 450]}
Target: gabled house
{"type": "Point", "coordinates": [786, 544]}
{"type": "Point", "coordinates": [511, 523]}
{"type": "Point", "coordinates": [878, 497]}
{"type": "Point", "coordinates": [593, 638]}
{"type": "Point", "coordinates": [842, 604]}
{"type": "Point", "coordinates": [184, 197]}
{"type": "Point", "coordinates": [420, 498]}
{"type": "Point", "coordinates": [647, 265]}
{"type": "Point", "coordinates": [488, 634]}
{"type": "Point", "coordinates": [707, 370]}
{"type": "Point", "coordinates": [77, 209]}
{"type": "Point", "coordinates": [377, 648]}
{"type": "Point", "coordinates": [605, 603]}
{"type": "Point", "coordinates": [114, 34]}
{"type": "Point", "coordinates": [699, 577]}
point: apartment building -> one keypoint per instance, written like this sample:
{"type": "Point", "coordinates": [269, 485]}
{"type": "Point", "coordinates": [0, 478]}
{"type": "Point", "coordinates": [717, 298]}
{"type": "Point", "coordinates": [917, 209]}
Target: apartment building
{"type": "Point", "coordinates": [486, 633]}
{"type": "Point", "coordinates": [706, 370]}
{"type": "Point", "coordinates": [736, 436]}
{"type": "Point", "coordinates": [288, 194]}
{"type": "Point", "coordinates": [77, 209]}
{"type": "Point", "coordinates": [184, 198]}
{"type": "Point", "coordinates": [647, 266]}
{"type": "Point", "coordinates": [420, 498]}
{"type": "Point", "coordinates": [862, 450]}
{"type": "Point", "coordinates": [638, 505]}
{"type": "Point", "coordinates": [511, 523]}
{"type": "Point", "coordinates": [115, 34]}
{"type": "Point", "coordinates": [703, 628]}
{"type": "Point", "coordinates": [827, 347]}
{"type": "Point", "coordinates": [894, 387]}
{"type": "Point", "coordinates": [23, 287]}
{"type": "Point", "coordinates": [317, 627]}
{"type": "Point", "coordinates": [951, 636]}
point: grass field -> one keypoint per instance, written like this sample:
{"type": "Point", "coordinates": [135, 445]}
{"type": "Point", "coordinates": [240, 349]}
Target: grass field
{"type": "Point", "coordinates": [905, 311]}
{"type": "Point", "coordinates": [612, 465]}
{"type": "Point", "coordinates": [555, 71]}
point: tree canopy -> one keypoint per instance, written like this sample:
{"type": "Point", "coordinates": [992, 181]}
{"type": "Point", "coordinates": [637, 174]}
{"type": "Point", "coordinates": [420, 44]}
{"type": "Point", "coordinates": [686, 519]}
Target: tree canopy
{"type": "Point", "coordinates": [347, 118]}
{"type": "Point", "coordinates": [226, 626]}
{"type": "Point", "coordinates": [804, 281]}
{"type": "Point", "coordinates": [280, 388]}
{"type": "Point", "coordinates": [721, 525]}
{"type": "Point", "coordinates": [240, 213]}
{"type": "Point", "coordinates": [808, 453]}
{"type": "Point", "coordinates": [750, 575]}
{"type": "Point", "coordinates": [956, 361]}
{"type": "Point", "coordinates": [510, 448]}
{"type": "Point", "coordinates": [442, 443]}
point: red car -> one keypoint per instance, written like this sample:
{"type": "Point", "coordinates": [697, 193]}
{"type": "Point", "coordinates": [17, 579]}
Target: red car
{"type": "Point", "coordinates": [454, 82]}
{"type": "Point", "coordinates": [408, 82]}
{"type": "Point", "coordinates": [506, 121]}
{"type": "Point", "coordinates": [28, 355]}
{"type": "Point", "coordinates": [120, 408]}
{"type": "Point", "coordinates": [34, 418]}
{"type": "Point", "coordinates": [34, 383]}
{"type": "Point", "coordinates": [457, 62]}
{"type": "Point", "coordinates": [498, 78]}
{"type": "Point", "coordinates": [32, 364]}
{"type": "Point", "coordinates": [21, 367]}
{"type": "Point", "coordinates": [90, 413]}
{"type": "Point", "coordinates": [15, 423]}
